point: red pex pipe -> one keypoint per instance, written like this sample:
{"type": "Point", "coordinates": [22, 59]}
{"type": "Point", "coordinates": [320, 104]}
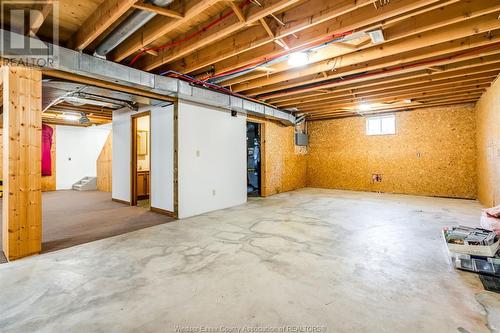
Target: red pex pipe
{"type": "Point", "coordinates": [266, 59]}
{"type": "Point", "coordinates": [187, 38]}
{"type": "Point", "coordinates": [390, 70]}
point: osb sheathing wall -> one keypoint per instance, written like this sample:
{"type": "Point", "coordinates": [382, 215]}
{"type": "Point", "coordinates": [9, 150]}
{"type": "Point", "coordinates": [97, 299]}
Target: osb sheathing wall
{"type": "Point", "coordinates": [432, 153]}
{"type": "Point", "coordinates": [488, 146]}
{"type": "Point", "coordinates": [283, 164]}
{"type": "Point", "coordinates": [104, 166]}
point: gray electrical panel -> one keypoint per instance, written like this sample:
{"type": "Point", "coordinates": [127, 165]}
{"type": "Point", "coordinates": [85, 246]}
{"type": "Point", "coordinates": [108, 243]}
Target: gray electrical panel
{"type": "Point", "coordinates": [301, 139]}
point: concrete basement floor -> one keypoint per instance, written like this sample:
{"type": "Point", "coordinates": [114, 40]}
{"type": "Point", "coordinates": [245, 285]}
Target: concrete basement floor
{"type": "Point", "coordinates": [346, 261]}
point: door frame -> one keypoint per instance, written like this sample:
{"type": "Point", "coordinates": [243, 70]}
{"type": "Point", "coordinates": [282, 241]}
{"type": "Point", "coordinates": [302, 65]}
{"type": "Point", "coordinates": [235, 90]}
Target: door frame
{"type": "Point", "coordinates": [133, 157]}
{"type": "Point", "coordinates": [262, 141]}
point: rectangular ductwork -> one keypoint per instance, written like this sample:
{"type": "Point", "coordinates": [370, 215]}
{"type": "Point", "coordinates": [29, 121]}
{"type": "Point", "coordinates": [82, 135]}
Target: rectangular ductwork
{"type": "Point", "coordinates": [93, 67]}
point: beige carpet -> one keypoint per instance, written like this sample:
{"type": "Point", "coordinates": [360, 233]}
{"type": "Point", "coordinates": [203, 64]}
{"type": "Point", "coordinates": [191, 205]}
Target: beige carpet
{"type": "Point", "coordinates": [71, 218]}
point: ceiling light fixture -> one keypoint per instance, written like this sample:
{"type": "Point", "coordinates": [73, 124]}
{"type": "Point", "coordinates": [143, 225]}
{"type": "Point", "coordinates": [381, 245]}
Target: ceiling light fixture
{"type": "Point", "coordinates": [365, 107]}
{"type": "Point", "coordinates": [83, 118]}
{"type": "Point", "coordinates": [70, 116]}
{"type": "Point", "coordinates": [297, 59]}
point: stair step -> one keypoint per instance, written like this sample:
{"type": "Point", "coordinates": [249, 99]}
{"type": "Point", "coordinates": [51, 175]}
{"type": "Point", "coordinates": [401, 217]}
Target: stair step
{"type": "Point", "coordinates": [85, 184]}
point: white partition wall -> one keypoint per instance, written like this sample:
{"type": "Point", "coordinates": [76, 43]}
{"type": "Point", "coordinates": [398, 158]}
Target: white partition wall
{"type": "Point", "coordinates": [211, 159]}
{"type": "Point", "coordinates": [77, 151]}
{"type": "Point", "coordinates": [162, 158]}
{"type": "Point", "coordinates": [122, 132]}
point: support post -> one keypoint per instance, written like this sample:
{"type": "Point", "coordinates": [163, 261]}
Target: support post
{"type": "Point", "coordinates": [22, 126]}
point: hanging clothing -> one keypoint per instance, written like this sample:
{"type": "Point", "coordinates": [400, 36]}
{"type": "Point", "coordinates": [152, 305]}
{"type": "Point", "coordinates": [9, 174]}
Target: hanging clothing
{"type": "Point", "coordinates": [47, 132]}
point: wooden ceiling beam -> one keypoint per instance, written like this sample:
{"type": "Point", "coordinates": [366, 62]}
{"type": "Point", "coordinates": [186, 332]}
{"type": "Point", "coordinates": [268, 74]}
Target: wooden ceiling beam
{"type": "Point", "coordinates": [303, 25]}
{"type": "Point", "coordinates": [406, 93]}
{"type": "Point", "coordinates": [395, 101]}
{"type": "Point", "coordinates": [354, 107]}
{"type": "Point", "coordinates": [473, 65]}
{"type": "Point", "coordinates": [41, 16]}
{"type": "Point", "coordinates": [158, 27]}
{"type": "Point", "coordinates": [450, 64]}
{"type": "Point", "coordinates": [328, 114]}
{"type": "Point", "coordinates": [445, 34]}
{"type": "Point", "coordinates": [430, 21]}
{"type": "Point", "coordinates": [223, 29]}
{"type": "Point", "coordinates": [462, 72]}
{"type": "Point", "coordinates": [398, 98]}
{"type": "Point", "coordinates": [409, 85]}
{"type": "Point", "coordinates": [237, 11]}
{"type": "Point", "coordinates": [158, 10]}
{"type": "Point", "coordinates": [267, 28]}
{"type": "Point", "coordinates": [345, 114]}
{"type": "Point", "coordinates": [100, 20]}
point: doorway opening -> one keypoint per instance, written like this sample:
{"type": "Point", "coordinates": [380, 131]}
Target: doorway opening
{"type": "Point", "coordinates": [141, 160]}
{"type": "Point", "coordinates": [253, 159]}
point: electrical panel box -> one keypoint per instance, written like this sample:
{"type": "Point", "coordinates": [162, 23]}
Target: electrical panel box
{"type": "Point", "coordinates": [301, 139]}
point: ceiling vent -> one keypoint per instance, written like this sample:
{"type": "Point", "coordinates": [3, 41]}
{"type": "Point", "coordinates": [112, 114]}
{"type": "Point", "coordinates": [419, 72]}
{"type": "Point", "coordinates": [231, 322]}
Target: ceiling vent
{"type": "Point", "coordinates": [377, 36]}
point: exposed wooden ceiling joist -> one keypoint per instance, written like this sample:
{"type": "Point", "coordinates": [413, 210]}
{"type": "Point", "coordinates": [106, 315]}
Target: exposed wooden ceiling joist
{"type": "Point", "coordinates": [434, 51]}
{"type": "Point", "coordinates": [455, 31]}
{"type": "Point", "coordinates": [410, 97]}
{"type": "Point", "coordinates": [303, 26]}
{"type": "Point", "coordinates": [226, 27]}
{"type": "Point", "coordinates": [158, 10]}
{"type": "Point", "coordinates": [458, 73]}
{"type": "Point", "coordinates": [158, 27]}
{"type": "Point", "coordinates": [405, 94]}
{"type": "Point", "coordinates": [414, 26]}
{"type": "Point", "coordinates": [104, 16]}
{"type": "Point", "coordinates": [331, 115]}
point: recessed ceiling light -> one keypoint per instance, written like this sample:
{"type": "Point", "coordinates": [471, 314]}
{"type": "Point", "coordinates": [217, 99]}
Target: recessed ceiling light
{"type": "Point", "coordinates": [298, 59]}
{"type": "Point", "coordinates": [365, 107]}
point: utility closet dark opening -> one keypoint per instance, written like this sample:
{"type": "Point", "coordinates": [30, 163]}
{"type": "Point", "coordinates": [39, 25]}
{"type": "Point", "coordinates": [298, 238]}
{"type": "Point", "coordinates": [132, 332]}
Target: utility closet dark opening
{"type": "Point", "coordinates": [253, 159]}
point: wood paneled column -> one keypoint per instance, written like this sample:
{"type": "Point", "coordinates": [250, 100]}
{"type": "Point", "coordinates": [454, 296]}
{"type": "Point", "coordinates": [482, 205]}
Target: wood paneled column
{"type": "Point", "coordinates": [22, 126]}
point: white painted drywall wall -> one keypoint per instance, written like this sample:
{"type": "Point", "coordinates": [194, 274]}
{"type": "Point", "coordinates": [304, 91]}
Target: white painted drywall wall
{"type": "Point", "coordinates": [162, 156]}
{"type": "Point", "coordinates": [77, 150]}
{"type": "Point", "coordinates": [122, 127]}
{"type": "Point", "coordinates": [211, 159]}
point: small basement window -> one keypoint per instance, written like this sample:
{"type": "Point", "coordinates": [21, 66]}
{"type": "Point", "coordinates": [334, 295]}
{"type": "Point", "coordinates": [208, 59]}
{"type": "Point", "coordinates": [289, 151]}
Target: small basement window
{"type": "Point", "coordinates": [381, 125]}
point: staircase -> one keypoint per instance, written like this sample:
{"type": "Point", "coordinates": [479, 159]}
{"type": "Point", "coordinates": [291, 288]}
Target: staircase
{"type": "Point", "coordinates": [86, 184]}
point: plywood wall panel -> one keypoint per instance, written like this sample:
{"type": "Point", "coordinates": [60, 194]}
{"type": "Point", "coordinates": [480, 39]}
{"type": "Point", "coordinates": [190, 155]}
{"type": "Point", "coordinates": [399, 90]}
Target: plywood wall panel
{"type": "Point", "coordinates": [488, 145]}
{"type": "Point", "coordinates": [283, 164]}
{"type": "Point", "coordinates": [22, 121]}
{"type": "Point", "coordinates": [104, 166]}
{"type": "Point", "coordinates": [433, 153]}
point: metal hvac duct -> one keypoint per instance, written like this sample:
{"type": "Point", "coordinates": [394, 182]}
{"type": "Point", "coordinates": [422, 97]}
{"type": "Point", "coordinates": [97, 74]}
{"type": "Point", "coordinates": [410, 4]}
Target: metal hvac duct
{"type": "Point", "coordinates": [130, 25]}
